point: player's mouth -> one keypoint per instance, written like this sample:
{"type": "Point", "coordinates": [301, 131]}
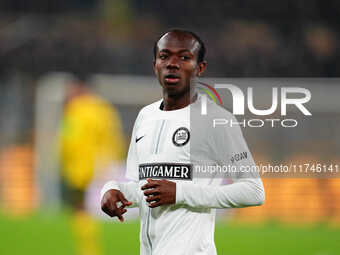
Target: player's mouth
{"type": "Point", "coordinates": [172, 79]}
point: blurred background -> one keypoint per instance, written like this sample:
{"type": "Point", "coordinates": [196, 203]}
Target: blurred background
{"type": "Point", "coordinates": [73, 76]}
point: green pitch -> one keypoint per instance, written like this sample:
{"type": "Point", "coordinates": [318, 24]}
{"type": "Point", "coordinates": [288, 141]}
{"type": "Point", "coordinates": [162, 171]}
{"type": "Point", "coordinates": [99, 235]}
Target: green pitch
{"type": "Point", "coordinates": [52, 235]}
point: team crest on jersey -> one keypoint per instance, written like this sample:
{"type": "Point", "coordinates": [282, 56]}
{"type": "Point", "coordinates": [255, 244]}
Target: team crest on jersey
{"type": "Point", "coordinates": [181, 136]}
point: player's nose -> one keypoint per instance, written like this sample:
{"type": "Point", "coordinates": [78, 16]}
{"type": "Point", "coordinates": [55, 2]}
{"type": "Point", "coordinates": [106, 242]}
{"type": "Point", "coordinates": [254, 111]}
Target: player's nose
{"type": "Point", "coordinates": [173, 63]}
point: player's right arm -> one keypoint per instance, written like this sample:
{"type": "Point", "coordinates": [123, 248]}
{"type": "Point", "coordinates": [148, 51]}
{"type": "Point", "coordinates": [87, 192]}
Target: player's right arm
{"type": "Point", "coordinates": [116, 196]}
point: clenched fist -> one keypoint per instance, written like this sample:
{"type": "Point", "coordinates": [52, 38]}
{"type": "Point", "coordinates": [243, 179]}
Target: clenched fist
{"type": "Point", "coordinates": [109, 203]}
{"type": "Point", "coordinates": [159, 192]}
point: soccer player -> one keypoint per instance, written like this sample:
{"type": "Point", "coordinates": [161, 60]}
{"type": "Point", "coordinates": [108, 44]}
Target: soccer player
{"type": "Point", "coordinates": [90, 138]}
{"type": "Point", "coordinates": [178, 205]}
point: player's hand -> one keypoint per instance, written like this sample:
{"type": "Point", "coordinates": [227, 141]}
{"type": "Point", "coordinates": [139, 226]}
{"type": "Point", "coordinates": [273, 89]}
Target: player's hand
{"type": "Point", "coordinates": [109, 203]}
{"type": "Point", "coordinates": [159, 192]}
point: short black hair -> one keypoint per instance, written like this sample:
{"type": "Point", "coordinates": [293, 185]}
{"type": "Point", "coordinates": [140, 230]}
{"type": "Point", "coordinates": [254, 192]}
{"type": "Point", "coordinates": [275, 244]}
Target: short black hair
{"type": "Point", "coordinates": [201, 52]}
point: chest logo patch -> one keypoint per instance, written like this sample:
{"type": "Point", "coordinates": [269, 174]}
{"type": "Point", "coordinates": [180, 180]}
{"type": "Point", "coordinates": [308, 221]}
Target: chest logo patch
{"type": "Point", "coordinates": [181, 136]}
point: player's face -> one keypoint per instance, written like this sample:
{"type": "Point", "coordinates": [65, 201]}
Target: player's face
{"type": "Point", "coordinates": [176, 63]}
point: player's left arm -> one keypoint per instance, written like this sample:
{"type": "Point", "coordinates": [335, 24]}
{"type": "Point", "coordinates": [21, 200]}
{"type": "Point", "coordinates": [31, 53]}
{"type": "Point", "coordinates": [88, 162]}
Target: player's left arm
{"type": "Point", "coordinates": [242, 193]}
{"type": "Point", "coordinates": [245, 191]}
{"type": "Point", "coordinates": [247, 188]}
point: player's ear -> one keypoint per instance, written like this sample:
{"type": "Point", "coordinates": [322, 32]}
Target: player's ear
{"type": "Point", "coordinates": [154, 65]}
{"type": "Point", "coordinates": [201, 68]}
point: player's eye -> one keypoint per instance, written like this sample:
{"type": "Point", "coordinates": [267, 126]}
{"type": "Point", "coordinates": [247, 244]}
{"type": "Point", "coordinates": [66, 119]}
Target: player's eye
{"type": "Point", "coordinates": [162, 56]}
{"type": "Point", "coordinates": [185, 58]}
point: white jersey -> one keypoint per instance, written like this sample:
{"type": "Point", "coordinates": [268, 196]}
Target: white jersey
{"type": "Point", "coordinates": [173, 145]}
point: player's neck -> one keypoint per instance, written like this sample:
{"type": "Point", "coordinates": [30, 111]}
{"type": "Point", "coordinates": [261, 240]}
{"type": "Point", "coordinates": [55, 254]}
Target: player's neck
{"type": "Point", "coordinates": [175, 103]}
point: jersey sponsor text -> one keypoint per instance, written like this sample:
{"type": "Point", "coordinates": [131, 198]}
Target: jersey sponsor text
{"type": "Point", "coordinates": [165, 171]}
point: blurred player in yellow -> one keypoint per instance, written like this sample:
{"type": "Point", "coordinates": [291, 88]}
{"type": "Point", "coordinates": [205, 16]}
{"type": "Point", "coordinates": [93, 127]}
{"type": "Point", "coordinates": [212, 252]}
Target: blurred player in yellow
{"type": "Point", "coordinates": [91, 139]}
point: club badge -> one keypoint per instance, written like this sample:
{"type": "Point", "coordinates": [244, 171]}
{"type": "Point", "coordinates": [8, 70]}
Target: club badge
{"type": "Point", "coordinates": [181, 136]}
